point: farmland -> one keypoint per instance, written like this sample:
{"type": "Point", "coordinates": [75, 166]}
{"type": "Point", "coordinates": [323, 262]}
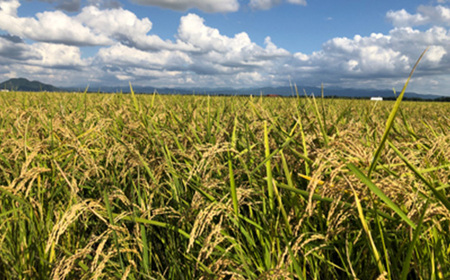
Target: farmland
{"type": "Point", "coordinates": [194, 187]}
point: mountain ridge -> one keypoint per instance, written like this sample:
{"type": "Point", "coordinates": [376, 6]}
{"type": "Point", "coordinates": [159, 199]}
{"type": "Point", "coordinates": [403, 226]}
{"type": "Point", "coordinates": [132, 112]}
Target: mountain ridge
{"type": "Point", "coordinates": [281, 91]}
{"type": "Point", "coordinates": [22, 84]}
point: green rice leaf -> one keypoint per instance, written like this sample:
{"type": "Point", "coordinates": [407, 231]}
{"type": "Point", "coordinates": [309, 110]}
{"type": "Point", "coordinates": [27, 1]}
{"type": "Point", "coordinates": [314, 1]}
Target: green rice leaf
{"type": "Point", "coordinates": [439, 195]}
{"type": "Point", "coordinates": [380, 194]}
{"type": "Point", "coordinates": [390, 121]}
{"type": "Point", "coordinates": [409, 253]}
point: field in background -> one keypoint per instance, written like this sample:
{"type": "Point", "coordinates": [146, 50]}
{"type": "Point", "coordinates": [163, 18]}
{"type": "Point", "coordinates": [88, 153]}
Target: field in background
{"type": "Point", "coordinates": [187, 187]}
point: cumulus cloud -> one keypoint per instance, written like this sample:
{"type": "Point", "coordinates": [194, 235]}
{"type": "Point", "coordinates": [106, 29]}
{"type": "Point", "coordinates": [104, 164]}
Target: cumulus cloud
{"type": "Point", "coordinates": [113, 22]}
{"type": "Point", "coordinates": [209, 6]}
{"type": "Point", "coordinates": [118, 24]}
{"type": "Point", "coordinates": [219, 53]}
{"type": "Point", "coordinates": [69, 5]}
{"type": "Point", "coordinates": [52, 63]}
{"type": "Point", "coordinates": [105, 4]}
{"type": "Point", "coordinates": [91, 27]}
{"type": "Point", "coordinates": [299, 2]}
{"type": "Point", "coordinates": [58, 56]}
{"type": "Point", "coordinates": [402, 18]}
{"type": "Point", "coordinates": [378, 59]}
{"type": "Point", "coordinates": [268, 4]}
{"type": "Point", "coordinates": [13, 48]}
{"type": "Point", "coordinates": [263, 4]}
{"type": "Point", "coordinates": [438, 15]}
{"type": "Point", "coordinates": [121, 62]}
{"type": "Point", "coordinates": [124, 56]}
{"type": "Point", "coordinates": [75, 5]}
{"type": "Point", "coordinates": [200, 55]}
{"type": "Point", "coordinates": [436, 53]}
{"type": "Point", "coordinates": [371, 56]}
{"type": "Point", "coordinates": [192, 30]}
{"type": "Point", "coordinates": [12, 38]}
{"type": "Point", "coordinates": [123, 26]}
{"type": "Point", "coordinates": [65, 5]}
{"type": "Point", "coordinates": [54, 27]}
{"type": "Point", "coordinates": [223, 59]}
{"type": "Point", "coordinates": [9, 8]}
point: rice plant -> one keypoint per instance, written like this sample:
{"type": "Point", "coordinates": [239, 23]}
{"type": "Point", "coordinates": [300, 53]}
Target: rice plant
{"type": "Point", "coordinates": [193, 187]}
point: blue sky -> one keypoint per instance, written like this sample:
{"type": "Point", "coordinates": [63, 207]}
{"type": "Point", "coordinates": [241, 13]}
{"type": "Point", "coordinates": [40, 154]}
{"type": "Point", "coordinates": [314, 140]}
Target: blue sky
{"type": "Point", "coordinates": [228, 43]}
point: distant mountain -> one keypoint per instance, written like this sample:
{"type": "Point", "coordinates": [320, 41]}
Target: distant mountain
{"type": "Point", "coordinates": [281, 91]}
{"type": "Point", "coordinates": [22, 84]}
{"type": "Point", "coordinates": [333, 92]}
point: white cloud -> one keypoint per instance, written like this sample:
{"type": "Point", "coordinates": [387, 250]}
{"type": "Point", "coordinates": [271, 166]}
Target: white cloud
{"type": "Point", "coordinates": [268, 4]}
{"type": "Point", "coordinates": [54, 27]}
{"type": "Point", "coordinates": [117, 23]}
{"type": "Point", "coordinates": [12, 48]}
{"type": "Point", "coordinates": [210, 6]}
{"type": "Point", "coordinates": [120, 25]}
{"type": "Point", "coordinates": [361, 57]}
{"type": "Point", "coordinates": [378, 60]}
{"type": "Point", "coordinates": [439, 15]}
{"type": "Point", "coordinates": [263, 4]}
{"type": "Point", "coordinates": [210, 58]}
{"type": "Point", "coordinates": [91, 27]}
{"type": "Point", "coordinates": [192, 30]}
{"type": "Point", "coordinates": [436, 53]}
{"type": "Point", "coordinates": [402, 18]}
{"type": "Point", "coordinates": [202, 56]}
{"type": "Point", "coordinates": [436, 14]}
{"type": "Point", "coordinates": [106, 4]}
{"type": "Point", "coordinates": [68, 5]}
{"type": "Point", "coordinates": [218, 53]}
{"type": "Point", "coordinates": [52, 63]}
{"type": "Point", "coordinates": [9, 7]}
{"type": "Point", "coordinates": [41, 54]}
{"type": "Point", "coordinates": [124, 56]}
{"type": "Point", "coordinates": [272, 50]}
{"type": "Point", "coordinates": [58, 56]}
{"type": "Point", "coordinates": [298, 2]}
{"type": "Point", "coordinates": [75, 5]}
{"type": "Point", "coordinates": [124, 26]}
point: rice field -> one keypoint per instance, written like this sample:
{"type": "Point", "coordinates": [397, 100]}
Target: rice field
{"type": "Point", "coordinates": [124, 186]}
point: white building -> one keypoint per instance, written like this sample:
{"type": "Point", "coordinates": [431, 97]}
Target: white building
{"type": "Point", "coordinates": [376, 98]}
